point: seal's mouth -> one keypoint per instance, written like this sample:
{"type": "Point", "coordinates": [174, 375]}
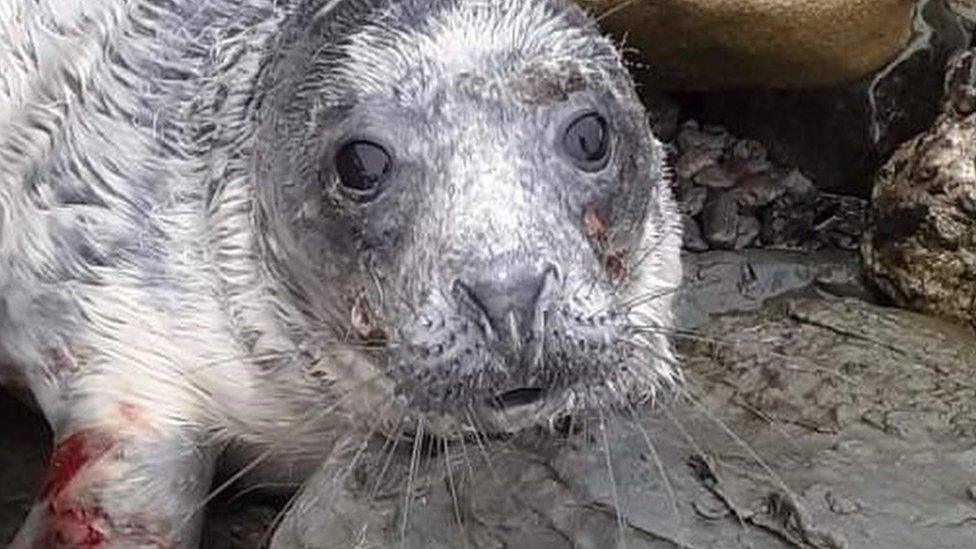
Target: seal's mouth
{"type": "Point", "coordinates": [516, 397]}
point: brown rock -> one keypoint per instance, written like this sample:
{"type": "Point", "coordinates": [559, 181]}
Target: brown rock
{"type": "Point", "coordinates": [920, 246]}
{"type": "Point", "coordinates": [720, 44]}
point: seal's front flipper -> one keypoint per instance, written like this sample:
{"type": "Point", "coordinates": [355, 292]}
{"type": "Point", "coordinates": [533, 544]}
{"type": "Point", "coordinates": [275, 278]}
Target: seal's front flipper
{"type": "Point", "coordinates": [132, 480]}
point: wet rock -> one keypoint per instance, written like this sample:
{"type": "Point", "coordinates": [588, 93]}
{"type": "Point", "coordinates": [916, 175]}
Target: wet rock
{"type": "Point", "coordinates": [839, 136]}
{"type": "Point", "coordinates": [720, 221]}
{"type": "Point", "coordinates": [715, 177]}
{"type": "Point", "coordinates": [748, 231]}
{"type": "Point", "coordinates": [966, 8]}
{"type": "Point", "coordinates": [693, 240]}
{"type": "Point", "coordinates": [721, 282]}
{"type": "Point", "coordinates": [920, 246]}
{"type": "Point", "coordinates": [788, 221]}
{"type": "Point", "coordinates": [840, 220]}
{"type": "Point", "coordinates": [759, 190]}
{"type": "Point", "coordinates": [691, 199]}
{"type": "Point", "coordinates": [693, 136]}
{"type": "Point", "coordinates": [779, 43]}
{"type": "Point", "coordinates": [759, 457]}
{"type": "Point", "coordinates": [694, 161]}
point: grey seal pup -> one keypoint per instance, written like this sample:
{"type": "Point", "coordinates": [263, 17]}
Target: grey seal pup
{"type": "Point", "coordinates": [252, 227]}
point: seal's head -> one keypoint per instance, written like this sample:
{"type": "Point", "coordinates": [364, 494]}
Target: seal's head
{"type": "Point", "coordinates": [469, 194]}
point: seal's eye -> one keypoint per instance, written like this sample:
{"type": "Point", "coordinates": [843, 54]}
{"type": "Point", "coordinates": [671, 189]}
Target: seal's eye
{"type": "Point", "coordinates": [362, 167]}
{"type": "Point", "coordinates": [587, 141]}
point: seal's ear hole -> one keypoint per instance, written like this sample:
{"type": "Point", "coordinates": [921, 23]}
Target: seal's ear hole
{"type": "Point", "coordinates": [587, 141]}
{"type": "Point", "coordinates": [362, 167]}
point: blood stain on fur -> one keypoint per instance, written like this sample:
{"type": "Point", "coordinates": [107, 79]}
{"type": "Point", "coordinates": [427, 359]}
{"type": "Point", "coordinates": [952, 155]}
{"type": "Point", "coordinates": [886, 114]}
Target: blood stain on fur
{"type": "Point", "coordinates": [73, 454]}
{"type": "Point", "coordinates": [71, 523]}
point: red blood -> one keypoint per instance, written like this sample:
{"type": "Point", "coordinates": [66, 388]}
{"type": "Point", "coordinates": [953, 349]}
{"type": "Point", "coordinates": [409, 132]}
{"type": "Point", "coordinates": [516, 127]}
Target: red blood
{"type": "Point", "coordinates": [73, 454]}
{"type": "Point", "coordinates": [72, 524]}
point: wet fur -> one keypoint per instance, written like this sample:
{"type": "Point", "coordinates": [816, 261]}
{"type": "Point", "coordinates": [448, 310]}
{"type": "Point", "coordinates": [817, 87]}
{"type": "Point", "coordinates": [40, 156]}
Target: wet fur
{"type": "Point", "coordinates": [135, 263]}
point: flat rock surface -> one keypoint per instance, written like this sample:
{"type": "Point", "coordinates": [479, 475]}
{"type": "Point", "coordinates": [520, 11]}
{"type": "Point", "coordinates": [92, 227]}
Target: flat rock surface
{"type": "Point", "coordinates": [810, 423]}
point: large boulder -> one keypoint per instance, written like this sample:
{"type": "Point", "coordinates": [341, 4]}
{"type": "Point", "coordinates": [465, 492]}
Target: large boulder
{"type": "Point", "coordinates": [711, 44]}
{"type": "Point", "coordinates": [920, 247]}
{"type": "Point", "coordinates": [840, 136]}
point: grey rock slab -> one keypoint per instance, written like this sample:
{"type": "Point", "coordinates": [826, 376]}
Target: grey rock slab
{"type": "Point", "coordinates": [753, 454]}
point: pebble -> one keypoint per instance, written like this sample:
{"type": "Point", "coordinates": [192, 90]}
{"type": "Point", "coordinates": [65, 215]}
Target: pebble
{"type": "Point", "coordinates": [692, 238]}
{"type": "Point", "coordinates": [716, 177]}
{"type": "Point", "coordinates": [720, 221]}
{"type": "Point", "coordinates": [692, 199]}
{"type": "Point", "coordinates": [695, 160]}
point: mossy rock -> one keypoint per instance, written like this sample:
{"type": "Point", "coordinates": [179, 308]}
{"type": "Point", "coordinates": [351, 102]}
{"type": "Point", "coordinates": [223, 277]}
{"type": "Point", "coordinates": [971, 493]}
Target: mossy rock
{"type": "Point", "coordinates": [722, 44]}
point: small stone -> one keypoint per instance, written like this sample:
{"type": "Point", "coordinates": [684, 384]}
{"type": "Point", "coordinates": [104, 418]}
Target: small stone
{"type": "Point", "coordinates": [720, 221]}
{"type": "Point", "coordinates": [798, 185]}
{"type": "Point", "coordinates": [749, 149]}
{"type": "Point", "coordinates": [715, 177]}
{"type": "Point", "coordinates": [710, 507]}
{"type": "Point", "coordinates": [691, 235]}
{"type": "Point", "coordinates": [692, 199]}
{"type": "Point", "coordinates": [745, 168]}
{"type": "Point", "coordinates": [695, 160]}
{"type": "Point", "coordinates": [757, 191]}
{"type": "Point", "coordinates": [710, 137]}
{"type": "Point", "coordinates": [971, 492]}
{"type": "Point", "coordinates": [749, 228]}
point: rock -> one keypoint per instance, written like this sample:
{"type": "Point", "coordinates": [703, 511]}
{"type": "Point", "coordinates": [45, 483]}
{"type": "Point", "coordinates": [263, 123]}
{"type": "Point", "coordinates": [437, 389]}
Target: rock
{"type": "Point", "coordinates": [749, 228]}
{"type": "Point", "coordinates": [693, 136]}
{"type": "Point", "coordinates": [720, 221]}
{"type": "Point", "coordinates": [920, 246]}
{"type": "Point", "coordinates": [715, 177]}
{"type": "Point", "coordinates": [691, 235]}
{"type": "Point", "coordinates": [839, 136]}
{"type": "Point", "coordinates": [840, 220]}
{"type": "Point", "coordinates": [788, 221]}
{"type": "Point", "coordinates": [966, 8]}
{"type": "Point", "coordinates": [783, 441]}
{"type": "Point", "coordinates": [693, 161]}
{"type": "Point", "coordinates": [760, 190]}
{"type": "Point", "coordinates": [722, 282]}
{"type": "Point", "coordinates": [691, 199]}
{"type": "Point", "coordinates": [722, 44]}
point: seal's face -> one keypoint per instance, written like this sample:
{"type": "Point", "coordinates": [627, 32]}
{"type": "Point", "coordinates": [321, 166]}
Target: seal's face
{"type": "Point", "coordinates": [486, 171]}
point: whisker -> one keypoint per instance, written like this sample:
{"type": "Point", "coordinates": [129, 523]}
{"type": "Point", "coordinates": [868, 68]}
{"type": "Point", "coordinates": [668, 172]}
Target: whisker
{"type": "Point", "coordinates": [777, 480]}
{"type": "Point", "coordinates": [453, 489]}
{"type": "Point", "coordinates": [414, 463]}
{"type": "Point", "coordinates": [311, 417]}
{"type": "Point", "coordinates": [613, 483]}
{"type": "Point", "coordinates": [665, 478]}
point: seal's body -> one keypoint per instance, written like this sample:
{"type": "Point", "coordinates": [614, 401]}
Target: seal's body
{"type": "Point", "coordinates": [269, 223]}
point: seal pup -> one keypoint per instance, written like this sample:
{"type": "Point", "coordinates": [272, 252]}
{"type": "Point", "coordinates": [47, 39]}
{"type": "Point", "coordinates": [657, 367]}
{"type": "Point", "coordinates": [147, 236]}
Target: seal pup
{"type": "Point", "coordinates": [261, 225]}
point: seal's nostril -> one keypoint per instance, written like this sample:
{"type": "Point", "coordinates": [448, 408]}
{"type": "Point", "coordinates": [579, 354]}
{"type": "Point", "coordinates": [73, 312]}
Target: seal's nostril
{"type": "Point", "coordinates": [516, 397]}
{"type": "Point", "coordinates": [507, 298]}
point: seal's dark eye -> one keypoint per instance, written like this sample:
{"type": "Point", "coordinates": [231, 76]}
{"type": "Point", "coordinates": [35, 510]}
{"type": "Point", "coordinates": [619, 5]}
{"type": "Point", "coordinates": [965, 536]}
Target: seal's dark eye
{"type": "Point", "coordinates": [362, 166]}
{"type": "Point", "coordinates": [587, 142]}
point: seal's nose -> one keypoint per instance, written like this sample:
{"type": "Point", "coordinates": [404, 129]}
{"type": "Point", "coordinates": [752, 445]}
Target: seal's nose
{"type": "Point", "coordinates": [508, 297]}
